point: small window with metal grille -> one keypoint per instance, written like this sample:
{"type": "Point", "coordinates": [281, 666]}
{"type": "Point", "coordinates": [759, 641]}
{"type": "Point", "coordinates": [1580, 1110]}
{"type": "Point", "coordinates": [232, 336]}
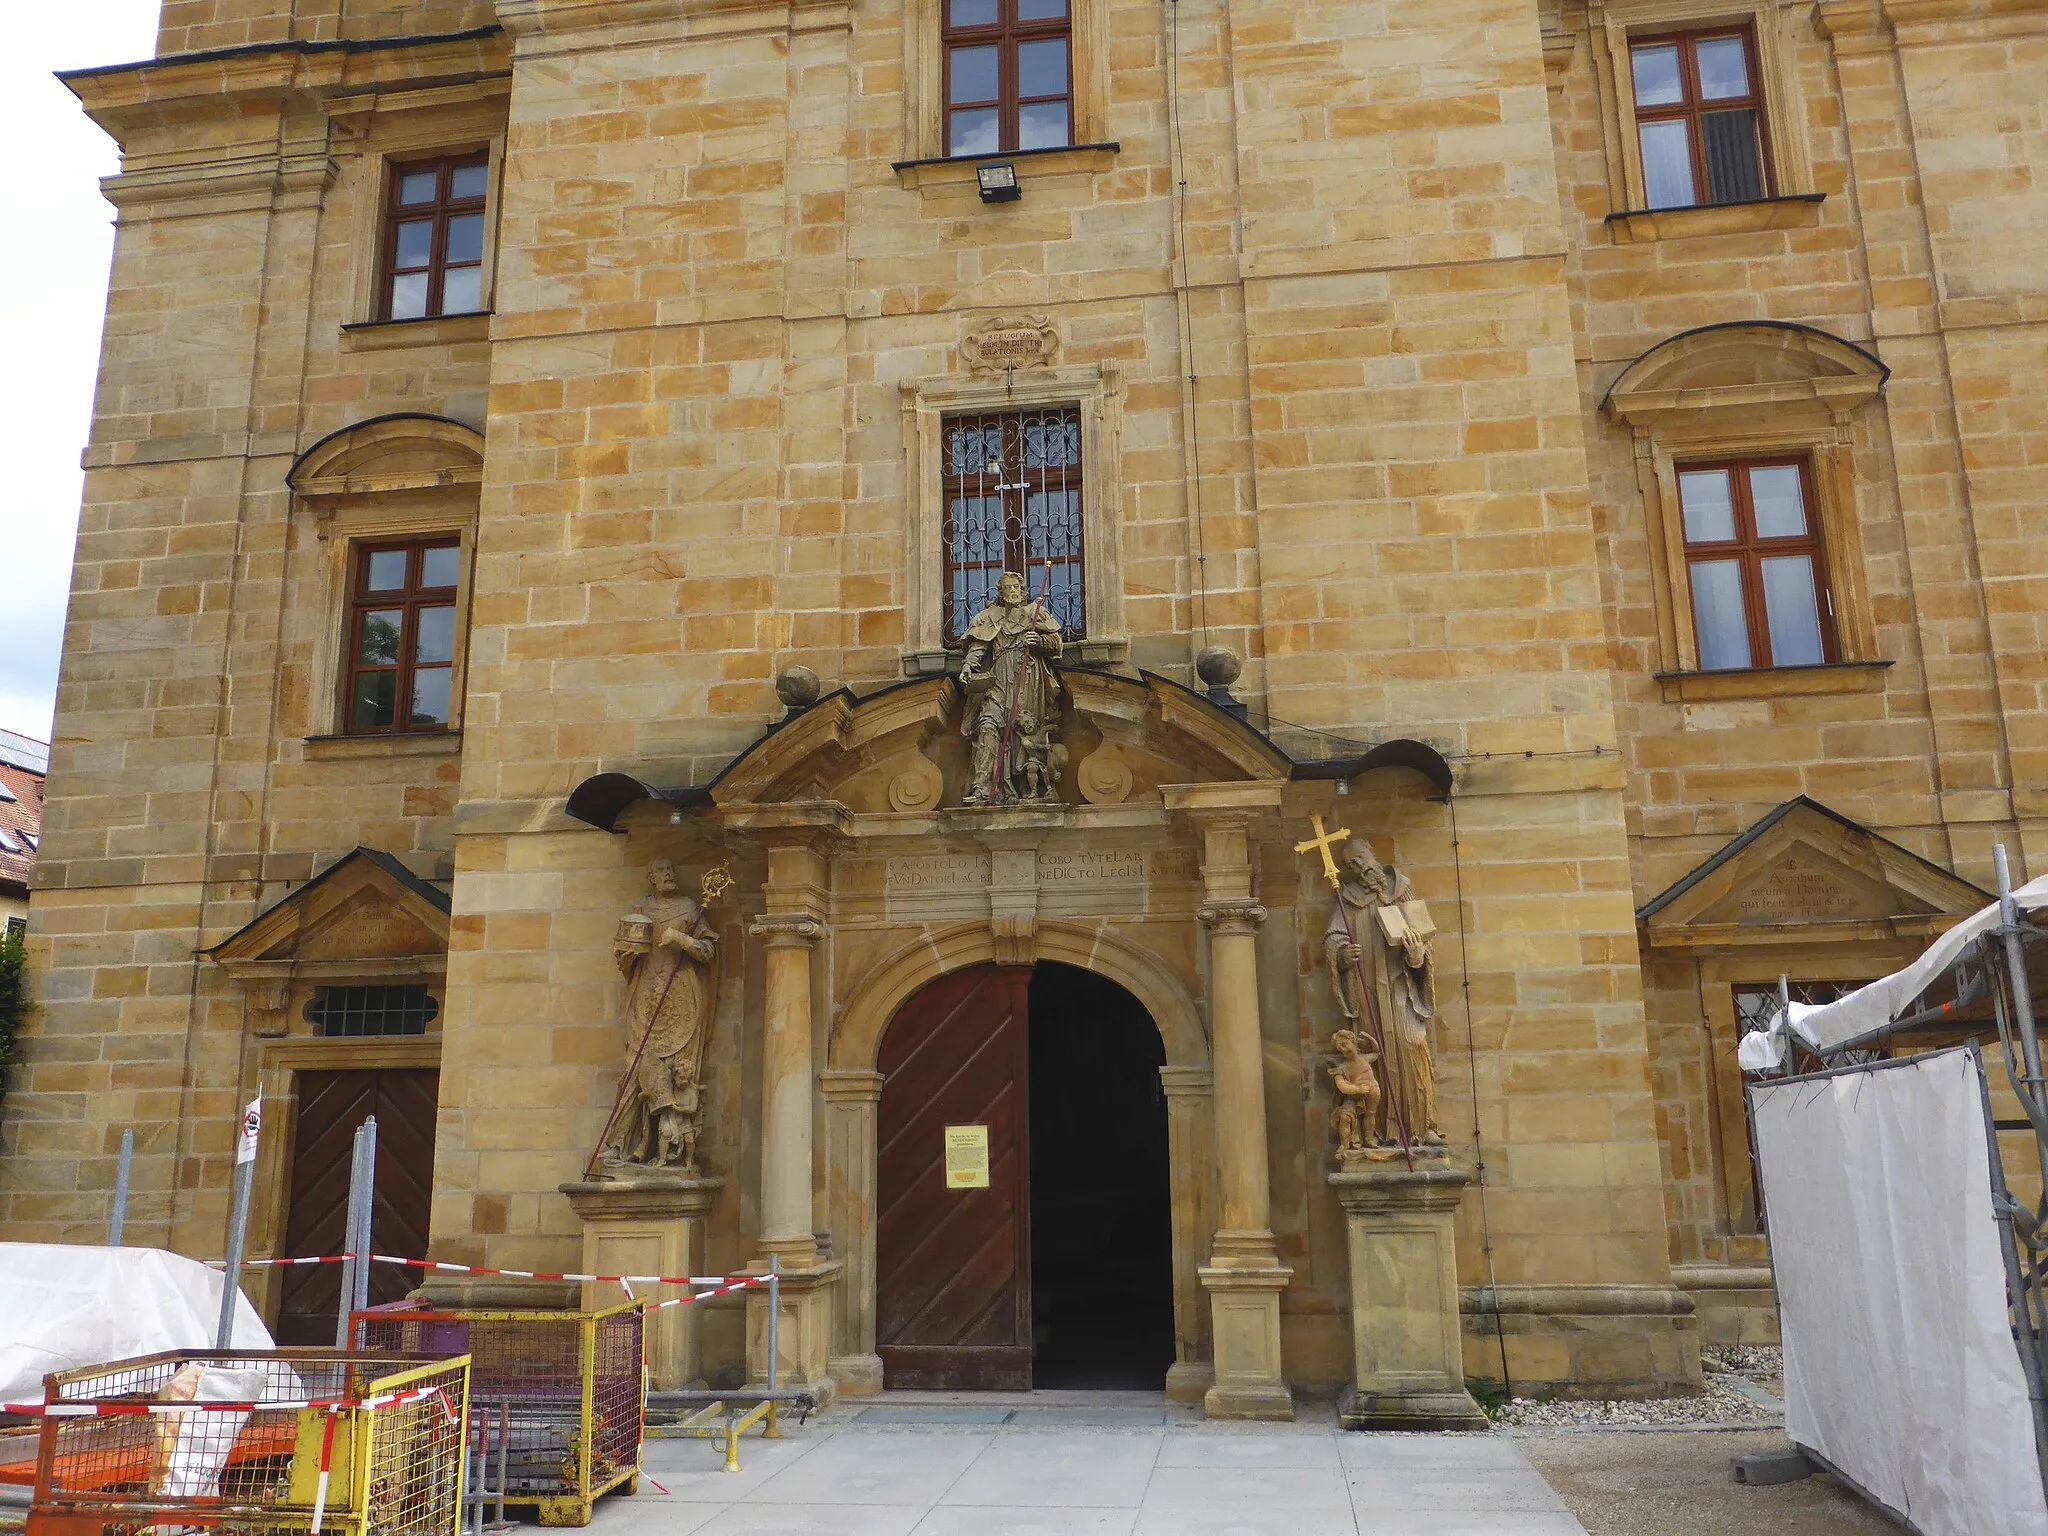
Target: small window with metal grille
{"type": "Point", "coordinates": [356, 1012]}
{"type": "Point", "coordinates": [1013, 503]}
{"type": "Point", "coordinates": [1755, 1008]}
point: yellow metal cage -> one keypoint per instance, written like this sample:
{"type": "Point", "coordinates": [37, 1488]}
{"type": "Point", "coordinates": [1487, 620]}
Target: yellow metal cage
{"type": "Point", "coordinates": [256, 1441]}
{"type": "Point", "coordinates": [559, 1397]}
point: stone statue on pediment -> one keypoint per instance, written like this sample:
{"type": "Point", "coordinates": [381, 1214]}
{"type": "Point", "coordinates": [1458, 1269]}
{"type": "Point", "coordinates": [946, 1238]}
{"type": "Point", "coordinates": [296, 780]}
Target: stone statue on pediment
{"type": "Point", "coordinates": [1012, 715]}
{"type": "Point", "coordinates": [666, 950]}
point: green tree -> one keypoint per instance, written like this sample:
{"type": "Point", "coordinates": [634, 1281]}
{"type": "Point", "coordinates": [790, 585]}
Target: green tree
{"type": "Point", "coordinates": [14, 1003]}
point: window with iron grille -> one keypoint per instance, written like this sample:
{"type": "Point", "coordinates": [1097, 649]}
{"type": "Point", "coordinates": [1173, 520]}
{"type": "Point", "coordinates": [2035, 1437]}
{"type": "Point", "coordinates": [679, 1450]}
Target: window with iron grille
{"type": "Point", "coordinates": [433, 261]}
{"type": "Point", "coordinates": [1009, 76]}
{"type": "Point", "coordinates": [1755, 1008]}
{"type": "Point", "coordinates": [356, 1012]}
{"type": "Point", "coordinates": [1754, 565]}
{"type": "Point", "coordinates": [1013, 503]}
{"type": "Point", "coordinates": [1699, 118]}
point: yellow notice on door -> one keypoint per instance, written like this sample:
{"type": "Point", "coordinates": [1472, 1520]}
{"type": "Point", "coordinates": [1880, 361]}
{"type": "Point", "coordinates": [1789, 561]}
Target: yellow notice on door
{"type": "Point", "coordinates": [967, 1157]}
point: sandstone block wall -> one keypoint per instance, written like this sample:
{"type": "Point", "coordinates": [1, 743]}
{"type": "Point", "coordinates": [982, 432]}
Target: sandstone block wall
{"type": "Point", "coordinates": [1347, 293]}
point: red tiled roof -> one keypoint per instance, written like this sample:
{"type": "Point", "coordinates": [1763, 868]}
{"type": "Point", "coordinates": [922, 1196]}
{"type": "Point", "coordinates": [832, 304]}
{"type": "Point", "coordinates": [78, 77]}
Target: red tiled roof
{"type": "Point", "coordinates": [21, 823]}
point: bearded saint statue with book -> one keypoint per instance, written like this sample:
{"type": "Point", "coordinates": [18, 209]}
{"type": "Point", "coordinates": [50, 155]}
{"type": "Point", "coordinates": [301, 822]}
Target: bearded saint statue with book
{"type": "Point", "coordinates": [1380, 946]}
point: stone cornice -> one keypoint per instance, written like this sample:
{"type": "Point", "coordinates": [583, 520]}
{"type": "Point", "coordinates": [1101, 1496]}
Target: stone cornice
{"type": "Point", "coordinates": [280, 179]}
{"type": "Point", "coordinates": [1864, 26]}
{"type": "Point", "coordinates": [571, 21]}
{"type": "Point", "coordinates": [124, 97]}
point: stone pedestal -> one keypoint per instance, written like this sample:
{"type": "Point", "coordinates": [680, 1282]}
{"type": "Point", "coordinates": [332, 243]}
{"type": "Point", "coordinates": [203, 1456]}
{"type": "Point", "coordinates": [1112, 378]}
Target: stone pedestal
{"type": "Point", "coordinates": [1244, 1305]}
{"type": "Point", "coordinates": [649, 1223]}
{"type": "Point", "coordinates": [1408, 1359]}
{"type": "Point", "coordinates": [803, 1334]}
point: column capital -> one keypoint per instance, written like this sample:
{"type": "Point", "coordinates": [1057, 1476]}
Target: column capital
{"type": "Point", "coordinates": [850, 1085]}
{"type": "Point", "coordinates": [1231, 916]}
{"type": "Point", "coordinates": [786, 930]}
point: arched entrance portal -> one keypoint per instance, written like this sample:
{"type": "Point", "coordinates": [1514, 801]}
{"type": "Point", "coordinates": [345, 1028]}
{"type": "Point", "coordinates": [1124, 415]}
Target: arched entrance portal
{"type": "Point", "coordinates": [1059, 1273]}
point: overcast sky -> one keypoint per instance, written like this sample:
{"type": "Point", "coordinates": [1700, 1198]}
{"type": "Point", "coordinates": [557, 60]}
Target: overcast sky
{"type": "Point", "coordinates": [53, 292]}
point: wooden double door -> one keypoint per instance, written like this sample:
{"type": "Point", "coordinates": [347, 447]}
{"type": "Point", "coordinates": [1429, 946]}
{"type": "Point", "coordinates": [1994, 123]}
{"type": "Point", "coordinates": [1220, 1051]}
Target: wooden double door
{"type": "Point", "coordinates": [331, 1105]}
{"type": "Point", "coordinates": [953, 1266]}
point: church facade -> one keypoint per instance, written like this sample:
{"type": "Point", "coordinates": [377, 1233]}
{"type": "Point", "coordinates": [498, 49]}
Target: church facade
{"type": "Point", "coordinates": [937, 528]}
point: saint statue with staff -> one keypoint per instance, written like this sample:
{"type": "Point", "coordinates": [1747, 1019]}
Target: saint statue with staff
{"type": "Point", "coordinates": [1012, 714]}
{"type": "Point", "coordinates": [1380, 946]}
{"type": "Point", "coordinates": [665, 948]}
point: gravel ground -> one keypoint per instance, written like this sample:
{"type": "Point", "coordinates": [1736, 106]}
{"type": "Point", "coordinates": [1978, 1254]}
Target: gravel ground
{"type": "Point", "coordinates": [1682, 1484]}
{"type": "Point", "coordinates": [1728, 1399]}
{"type": "Point", "coordinates": [1749, 1359]}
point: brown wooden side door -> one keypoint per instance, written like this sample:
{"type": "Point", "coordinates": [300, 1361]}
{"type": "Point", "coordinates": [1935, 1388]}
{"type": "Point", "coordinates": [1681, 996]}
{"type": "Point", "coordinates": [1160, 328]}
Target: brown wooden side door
{"type": "Point", "coordinates": [331, 1106]}
{"type": "Point", "coordinates": [953, 1266]}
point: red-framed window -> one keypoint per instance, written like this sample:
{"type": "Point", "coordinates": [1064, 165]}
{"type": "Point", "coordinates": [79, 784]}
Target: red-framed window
{"type": "Point", "coordinates": [1008, 75]}
{"type": "Point", "coordinates": [1699, 118]}
{"type": "Point", "coordinates": [402, 633]}
{"type": "Point", "coordinates": [1755, 565]}
{"type": "Point", "coordinates": [433, 261]}
{"type": "Point", "coordinates": [1013, 503]}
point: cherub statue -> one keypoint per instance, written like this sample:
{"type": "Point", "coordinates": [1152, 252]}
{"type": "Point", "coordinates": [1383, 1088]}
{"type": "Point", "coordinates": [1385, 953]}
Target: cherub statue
{"type": "Point", "coordinates": [1358, 1093]}
{"type": "Point", "coordinates": [1044, 760]}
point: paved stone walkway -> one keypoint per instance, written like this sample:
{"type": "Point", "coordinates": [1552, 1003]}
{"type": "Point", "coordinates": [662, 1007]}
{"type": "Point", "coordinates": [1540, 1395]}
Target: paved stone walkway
{"type": "Point", "coordinates": [1104, 1464]}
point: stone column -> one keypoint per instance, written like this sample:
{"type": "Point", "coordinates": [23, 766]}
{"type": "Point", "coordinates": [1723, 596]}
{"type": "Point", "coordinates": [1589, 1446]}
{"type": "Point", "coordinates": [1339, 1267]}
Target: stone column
{"type": "Point", "coordinates": [1191, 1148]}
{"type": "Point", "coordinates": [1406, 1335]}
{"type": "Point", "coordinates": [851, 1098]}
{"type": "Point", "coordinates": [787, 1086]}
{"type": "Point", "coordinates": [1244, 1275]}
{"type": "Point", "coordinates": [789, 929]}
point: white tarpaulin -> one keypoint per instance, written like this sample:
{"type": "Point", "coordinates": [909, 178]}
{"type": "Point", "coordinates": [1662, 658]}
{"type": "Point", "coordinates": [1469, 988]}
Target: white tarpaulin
{"type": "Point", "coordinates": [1826, 1025]}
{"type": "Point", "coordinates": [1900, 1366]}
{"type": "Point", "coordinates": [68, 1306]}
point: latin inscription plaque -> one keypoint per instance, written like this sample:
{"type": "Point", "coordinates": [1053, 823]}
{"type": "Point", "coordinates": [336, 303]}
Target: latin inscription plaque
{"type": "Point", "coordinates": [1090, 866]}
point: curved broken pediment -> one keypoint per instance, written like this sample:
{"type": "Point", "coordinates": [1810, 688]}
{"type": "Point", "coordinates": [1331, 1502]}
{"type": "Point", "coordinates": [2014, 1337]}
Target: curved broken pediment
{"type": "Point", "coordinates": [901, 750]}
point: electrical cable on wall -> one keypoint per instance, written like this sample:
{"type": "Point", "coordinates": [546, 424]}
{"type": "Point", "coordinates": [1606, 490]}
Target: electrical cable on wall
{"type": "Point", "coordinates": [1472, 1065]}
{"type": "Point", "coordinates": [1191, 420]}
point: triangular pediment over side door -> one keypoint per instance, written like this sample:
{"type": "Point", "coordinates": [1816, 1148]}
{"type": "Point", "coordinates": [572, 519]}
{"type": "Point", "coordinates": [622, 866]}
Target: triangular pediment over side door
{"type": "Point", "coordinates": [1803, 875]}
{"type": "Point", "coordinates": [366, 917]}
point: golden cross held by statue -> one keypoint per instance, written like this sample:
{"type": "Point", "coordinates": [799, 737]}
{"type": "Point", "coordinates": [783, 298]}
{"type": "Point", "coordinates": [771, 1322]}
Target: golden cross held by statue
{"type": "Point", "coordinates": [1322, 843]}
{"type": "Point", "coordinates": [717, 881]}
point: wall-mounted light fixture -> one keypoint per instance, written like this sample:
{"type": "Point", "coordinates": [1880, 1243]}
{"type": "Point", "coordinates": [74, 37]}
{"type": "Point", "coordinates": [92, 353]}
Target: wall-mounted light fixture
{"type": "Point", "coordinates": [998, 182]}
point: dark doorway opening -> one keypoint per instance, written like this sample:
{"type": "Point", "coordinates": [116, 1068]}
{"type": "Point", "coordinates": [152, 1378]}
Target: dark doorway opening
{"type": "Point", "coordinates": [1101, 1233]}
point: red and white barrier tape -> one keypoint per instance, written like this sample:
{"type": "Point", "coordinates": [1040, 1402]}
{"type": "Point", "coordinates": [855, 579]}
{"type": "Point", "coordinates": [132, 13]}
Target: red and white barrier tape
{"type": "Point", "coordinates": [326, 1469]}
{"type": "Point", "coordinates": [721, 1284]}
{"type": "Point", "coordinates": [126, 1410]}
{"type": "Point", "coordinates": [738, 1284]}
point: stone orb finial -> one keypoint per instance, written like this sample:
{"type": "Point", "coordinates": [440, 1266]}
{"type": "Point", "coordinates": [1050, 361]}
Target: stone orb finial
{"type": "Point", "coordinates": [1218, 666]}
{"type": "Point", "coordinates": [797, 687]}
